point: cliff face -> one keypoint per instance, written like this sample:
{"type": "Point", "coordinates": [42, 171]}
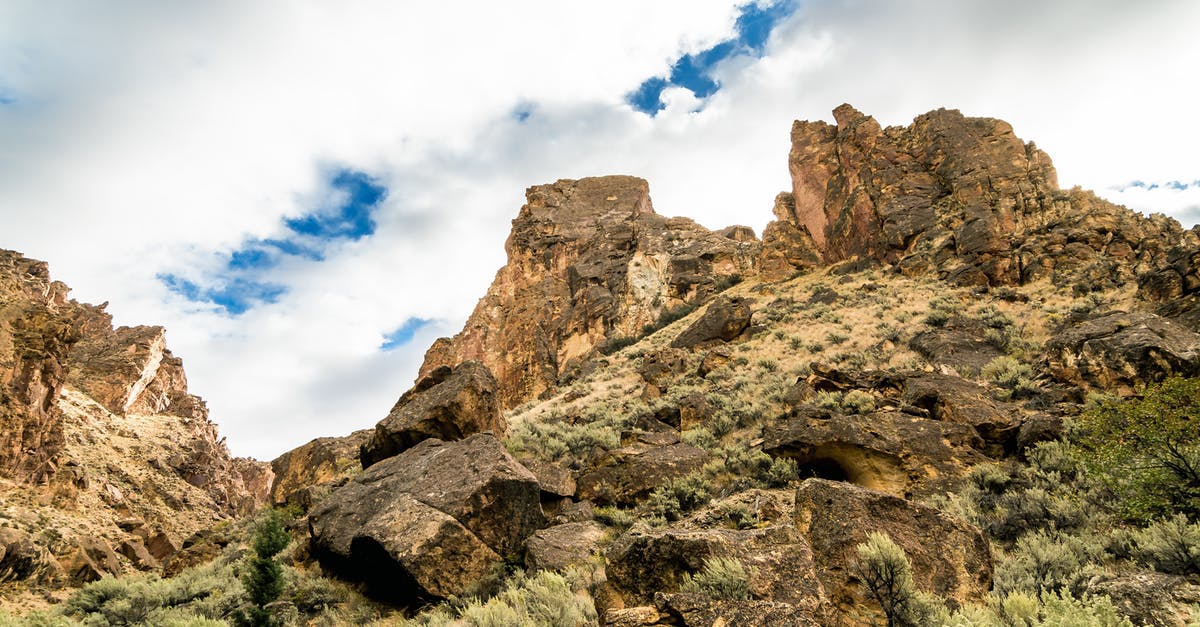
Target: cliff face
{"type": "Point", "coordinates": [588, 261]}
{"type": "Point", "coordinates": [960, 196]}
{"type": "Point", "coordinates": [36, 334]}
{"type": "Point", "coordinates": [98, 428]}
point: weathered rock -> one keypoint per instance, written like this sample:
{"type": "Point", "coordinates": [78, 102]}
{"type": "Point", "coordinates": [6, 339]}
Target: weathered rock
{"type": "Point", "coordinates": [22, 559]}
{"type": "Point", "coordinates": [954, 399]}
{"type": "Point", "coordinates": [961, 344]}
{"type": "Point", "coordinates": [779, 562]}
{"type": "Point", "coordinates": [631, 616]}
{"type": "Point", "coordinates": [887, 451]}
{"type": "Point", "coordinates": [1150, 598]}
{"type": "Point", "coordinates": [1118, 351]}
{"type": "Point", "coordinates": [629, 474]}
{"type": "Point", "coordinates": [714, 359]}
{"type": "Point", "coordinates": [660, 368]}
{"type": "Point", "coordinates": [552, 478]}
{"type": "Point", "coordinates": [448, 404]}
{"type": "Point", "coordinates": [723, 320]}
{"type": "Point", "coordinates": [949, 557]}
{"type": "Point", "coordinates": [92, 559]}
{"type": "Point", "coordinates": [700, 610]}
{"type": "Point", "coordinates": [962, 196]}
{"type": "Point", "coordinates": [436, 516]}
{"type": "Point", "coordinates": [562, 546]}
{"type": "Point", "coordinates": [36, 334]}
{"type": "Point", "coordinates": [788, 248]}
{"type": "Point", "coordinates": [305, 473]}
{"type": "Point", "coordinates": [136, 552]}
{"type": "Point", "coordinates": [588, 261]}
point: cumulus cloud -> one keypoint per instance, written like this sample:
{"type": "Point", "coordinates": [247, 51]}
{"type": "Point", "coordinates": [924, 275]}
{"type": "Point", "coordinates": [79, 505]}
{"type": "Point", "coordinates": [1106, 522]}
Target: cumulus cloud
{"type": "Point", "coordinates": [142, 139]}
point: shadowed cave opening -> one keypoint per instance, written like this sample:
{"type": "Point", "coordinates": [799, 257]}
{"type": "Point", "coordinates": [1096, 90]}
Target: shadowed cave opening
{"type": "Point", "coordinates": [822, 468]}
{"type": "Point", "coordinates": [383, 579]}
{"type": "Point", "coordinates": [853, 464]}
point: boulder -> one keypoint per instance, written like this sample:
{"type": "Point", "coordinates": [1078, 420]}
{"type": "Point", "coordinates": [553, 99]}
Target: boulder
{"type": "Point", "coordinates": [949, 556]}
{"type": "Point", "coordinates": [722, 321]}
{"type": "Point", "coordinates": [136, 552]}
{"type": "Point", "coordinates": [961, 344]}
{"type": "Point", "coordinates": [1151, 598]}
{"type": "Point", "coordinates": [448, 404]}
{"type": "Point", "coordinates": [888, 451]}
{"type": "Point", "coordinates": [953, 399]}
{"type": "Point", "coordinates": [562, 546]}
{"type": "Point", "coordinates": [22, 559]}
{"type": "Point", "coordinates": [436, 516]}
{"type": "Point", "coordinates": [700, 610]}
{"type": "Point", "coordinates": [305, 473]}
{"type": "Point", "coordinates": [778, 561]}
{"type": "Point", "coordinates": [629, 474]}
{"type": "Point", "coordinates": [1119, 351]}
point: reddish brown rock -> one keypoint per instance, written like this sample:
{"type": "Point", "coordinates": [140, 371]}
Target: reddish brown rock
{"type": "Point", "coordinates": [306, 473]}
{"type": "Point", "coordinates": [949, 557]}
{"type": "Point", "coordinates": [631, 473]}
{"type": "Point", "coordinates": [448, 404]}
{"type": "Point", "coordinates": [723, 320]}
{"type": "Point", "coordinates": [1121, 351]}
{"type": "Point", "coordinates": [588, 261]}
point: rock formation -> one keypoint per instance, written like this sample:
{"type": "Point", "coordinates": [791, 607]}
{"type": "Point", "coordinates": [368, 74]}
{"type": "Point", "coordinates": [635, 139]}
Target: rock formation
{"type": "Point", "coordinates": [588, 262]}
{"type": "Point", "coordinates": [107, 462]}
{"type": "Point", "coordinates": [961, 196]}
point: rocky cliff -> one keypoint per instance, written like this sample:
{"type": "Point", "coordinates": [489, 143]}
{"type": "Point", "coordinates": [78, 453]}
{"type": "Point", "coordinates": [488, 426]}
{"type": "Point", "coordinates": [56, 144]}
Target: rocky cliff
{"type": "Point", "coordinates": [589, 262]}
{"type": "Point", "coordinates": [108, 462]}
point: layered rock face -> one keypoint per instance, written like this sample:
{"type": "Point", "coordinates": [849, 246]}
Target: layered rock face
{"type": "Point", "coordinates": [98, 428]}
{"type": "Point", "coordinates": [36, 334]}
{"type": "Point", "coordinates": [962, 196]}
{"type": "Point", "coordinates": [588, 261]}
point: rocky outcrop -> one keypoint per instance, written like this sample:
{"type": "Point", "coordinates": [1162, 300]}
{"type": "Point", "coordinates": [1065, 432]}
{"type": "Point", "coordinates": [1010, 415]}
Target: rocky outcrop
{"type": "Point", "coordinates": [949, 556]}
{"type": "Point", "coordinates": [429, 522]}
{"type": "Point", "coordinates": [23, 559]}
{"type": "Point", "coordinates": [36, 334]}
{"type": "Point", "coordinates": [588, 261]}
{"type": "Point", "coordinates": [960, 196]}
{"type": "Point", "coordinates": [723, 320]}
{"type": "Point", "coordinates": [1121, 351]}
{"type": "Point", "coordinates": [448, 403]}
{"type": "Point", "coordinates": [888, 451]}
{"type": "Point", "coordinates": [630, 473]}
{"type": "Point", "coordinates": [562, 546]}
{"type": "Point", "coordinates": [306, 473]}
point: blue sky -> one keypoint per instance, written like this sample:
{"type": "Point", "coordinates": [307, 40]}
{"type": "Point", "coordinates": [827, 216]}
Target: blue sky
{"type": "Point", "coordinates": [306, 194]}
{"type": "Point", "coordinates": [694, 71]}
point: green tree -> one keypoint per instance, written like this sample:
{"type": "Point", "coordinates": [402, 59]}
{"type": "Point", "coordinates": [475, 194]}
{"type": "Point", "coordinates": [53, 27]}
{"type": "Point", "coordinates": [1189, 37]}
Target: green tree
{"type": "Point", "coordinates": [263, 578]}
{"type": "Point", "coordinates": [1147, 450]}
{"type": "Point", "coordinates": [883, 568]}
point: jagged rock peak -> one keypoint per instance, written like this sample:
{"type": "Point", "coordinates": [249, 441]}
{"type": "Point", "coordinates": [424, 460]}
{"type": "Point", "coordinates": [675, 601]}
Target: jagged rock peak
{"type": "Point", "coordinates": [959, 195]}
{"type": "Point", "coordinates": [589, 261]}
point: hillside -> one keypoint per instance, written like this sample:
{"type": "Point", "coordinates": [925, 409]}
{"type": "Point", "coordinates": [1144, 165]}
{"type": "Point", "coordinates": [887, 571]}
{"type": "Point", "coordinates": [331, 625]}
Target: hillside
{"type": "Point", "coordinates": [890, 409]}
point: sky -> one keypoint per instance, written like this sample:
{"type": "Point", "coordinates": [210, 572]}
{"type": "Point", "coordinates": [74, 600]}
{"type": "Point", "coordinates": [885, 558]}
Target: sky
{"type": "Point", "coordinates": [306, 193]}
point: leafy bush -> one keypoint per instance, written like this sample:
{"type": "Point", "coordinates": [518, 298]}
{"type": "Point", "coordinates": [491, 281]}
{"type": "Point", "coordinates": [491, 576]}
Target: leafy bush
{"type": "Point", "coordinates": [884, 569]}
{"type": "Point", "coordinates": [1169, 546]}
{"type": "Point", "coordinates": [1147, 451]}
{"type": "Point", "coordinates": [678, 497]}
{"type": "Point", "coordinates": [1012, 375]}
{"type": "Point", "coordinates": [780, 473]}
{"type": "Point", "coordinates": [1051, 562]}
{"type": "Point", "coordinates": [547, 598]}
{"type": "Point", "coordinates": [858, 402]}
{"type": "Point", "coordinates": [720, 578]}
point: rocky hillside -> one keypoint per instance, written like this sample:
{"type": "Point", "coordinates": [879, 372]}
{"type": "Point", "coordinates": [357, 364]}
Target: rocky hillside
{"type": "Point", "coordinates": [907, 404]}
{"type": "Point", "coordinates": [108, 464]}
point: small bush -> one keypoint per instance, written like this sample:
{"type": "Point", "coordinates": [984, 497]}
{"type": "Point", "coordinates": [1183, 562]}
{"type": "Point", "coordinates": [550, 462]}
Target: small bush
{"type": "Point", "coordinates": [828, 400]}
{"type": "Point", "coordinates": [678, 497]}
{"type": "Point", "coordinates": [858, 402]}
{"type": "Point", "coordinates": [547, 598]}
{"type": "Point", "coordinates": [720, 578]}
{"type": "Point", "coordinates": [836, 338]}
{"type": "Point", "coordinates": [1053, 562]}
{"type": "Point", "coordinates": [884, 570]}
{"type": "Point", "coordinates": [1170, 546]}
{"type": "Point", "coordinates": [780, 473]}
{"type": "Point", "coordinates": [1010, 374]}
{"type": "Point", "coordinates": [937, 318]}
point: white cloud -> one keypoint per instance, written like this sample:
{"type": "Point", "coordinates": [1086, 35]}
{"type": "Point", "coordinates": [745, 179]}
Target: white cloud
{"type": "Point", "coordinates": [149, 137]}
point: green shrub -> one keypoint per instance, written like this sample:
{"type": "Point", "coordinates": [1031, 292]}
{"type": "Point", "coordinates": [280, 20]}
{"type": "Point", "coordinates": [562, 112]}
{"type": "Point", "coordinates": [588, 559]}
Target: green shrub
{"type": "Point", "coordinates": [1147, 451]}
{"type": "Point", "coordinates": [615, 517]}
{"type": "Point", "coordinates": [1053, 562]}
{"type": "Point", "coordinates": [937, 318]}
{"type": "Point", "coordinates": [1012, 375]}
{"type": "Point", "coordinates": [858, 402]}
{"type": "Point", "coordinates": [885, 572]}
{"type": "Point", "coordinates": [678, 497]}
{"type": "Point", "coordinates": [263, 578]}
{"type": "Point", "coordinates": [547, 598]}
{"type": "Point", "coordinates": [1169, 546]}
{"type": "Point", "coordinates": [780, 473]}
{"type": "Point", "coordinates": [828, 400]}
{"type": "Point", "coordinates": [720, 578]}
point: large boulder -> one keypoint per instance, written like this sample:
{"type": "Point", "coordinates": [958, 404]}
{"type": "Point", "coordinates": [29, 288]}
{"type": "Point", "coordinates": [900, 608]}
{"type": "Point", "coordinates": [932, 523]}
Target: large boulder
{"type": "Point", "coordinates": [429, 522]}
{"type": "Point", "coordinates": [1119, 351]}
{"type": "Point", "coordinates": [448, 404]}
{"type": "Point", "coordinates": [629, 474]}
{"type": "Point", "coordinates": [306, 473]}
{"type": "Point", "coordinates": [777, 560]}
{"type": "Point", "coordinates": [953, 399]}
{"type": "Point", "coordinates": [888, 451]}
{"type": "Point", "coordinates": [949, 556]}
{"type": "Point", "coordinates": [722, 321]}
{"type": "Point", "coordinates": [22, 559]}
{"type": "Point", "coordinates": [562, 546]}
